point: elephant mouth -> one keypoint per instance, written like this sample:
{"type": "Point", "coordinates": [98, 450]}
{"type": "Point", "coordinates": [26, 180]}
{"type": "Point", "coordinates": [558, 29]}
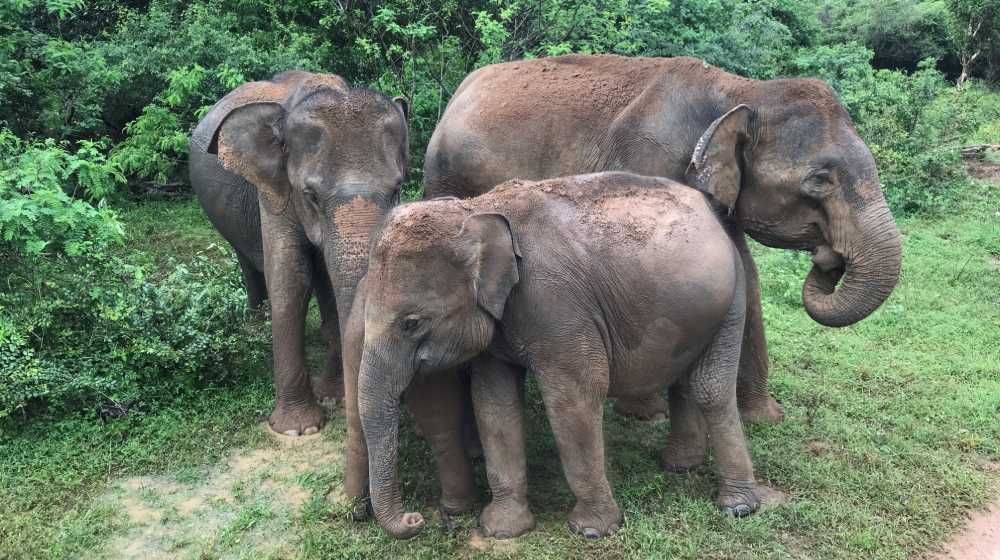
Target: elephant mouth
{"type": "Point", "coordinates": [830, 268]}
{"type": "Point", "coordinates": [827, 259]}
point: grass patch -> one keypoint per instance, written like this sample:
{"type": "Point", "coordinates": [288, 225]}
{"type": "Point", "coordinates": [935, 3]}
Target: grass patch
{"type": "Point", "coordinates": [892, 430]}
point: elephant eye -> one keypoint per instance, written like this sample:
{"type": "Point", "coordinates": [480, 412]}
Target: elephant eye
{"type": "Point", "coordinates": [818, 184]}
{"type": "Point", "coordinates": [410, 324]}
{"type": "Point", "coordinates": [311, 196]}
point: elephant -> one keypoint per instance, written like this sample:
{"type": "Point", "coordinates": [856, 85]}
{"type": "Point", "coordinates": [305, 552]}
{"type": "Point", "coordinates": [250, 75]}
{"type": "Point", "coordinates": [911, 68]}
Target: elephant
{"type": "Point", "coordinates": [607, 284]}
{"type": "Point", "coordinates": [782, 156]}
{"type": "Point", "coordinates": [295, 172]}
{"type": "Point", "coordinates": [808, 180]}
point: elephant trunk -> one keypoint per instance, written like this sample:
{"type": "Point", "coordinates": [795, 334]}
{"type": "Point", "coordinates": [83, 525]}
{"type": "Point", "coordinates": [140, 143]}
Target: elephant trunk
{"type": "Point", "coordinates": [354, 218]}
{"type": "Point", "coordinates": [379, 393]}
{"type": "Point", "coordinates": [868, 275]}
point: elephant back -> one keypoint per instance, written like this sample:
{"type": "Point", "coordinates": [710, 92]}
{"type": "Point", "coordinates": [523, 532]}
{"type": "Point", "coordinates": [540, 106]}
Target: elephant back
{"type": "Point", "coordinates": [286, 88]}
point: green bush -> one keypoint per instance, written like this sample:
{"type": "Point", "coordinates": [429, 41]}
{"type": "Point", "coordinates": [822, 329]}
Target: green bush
{"type": "Point", "coordinates": [41, 187]}
{"type": "Point", "coordinates": [80, 331]}
{"type": "Point", "coordinates": [913, 123]}
{"type": "Point", "coordinates": [79, 323]}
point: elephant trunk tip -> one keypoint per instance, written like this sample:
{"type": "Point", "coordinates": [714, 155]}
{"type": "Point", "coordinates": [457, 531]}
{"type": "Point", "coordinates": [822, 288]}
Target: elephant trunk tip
{"type": "Point", "coordinates": [405, 526]}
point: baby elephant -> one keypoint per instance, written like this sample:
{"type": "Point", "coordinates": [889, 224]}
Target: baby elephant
{"type": "Point", "coordinates": [602, 285]}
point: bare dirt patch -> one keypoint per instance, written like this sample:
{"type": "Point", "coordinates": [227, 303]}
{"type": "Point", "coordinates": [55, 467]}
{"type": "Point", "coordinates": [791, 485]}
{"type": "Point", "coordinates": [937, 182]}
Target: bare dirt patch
{"type": "Point", "coordinates": [244, 505]}
{"type": "Point", "coordinates": [980, 540]}
{"type": "Point", "coordinates": [983, 166]}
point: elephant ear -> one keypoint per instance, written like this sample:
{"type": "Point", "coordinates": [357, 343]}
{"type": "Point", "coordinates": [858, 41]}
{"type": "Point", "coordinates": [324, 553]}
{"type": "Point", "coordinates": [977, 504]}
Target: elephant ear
{"type": "Point", "coordinates": [404, 105]}
{"type": "Point", "coordinates": [495, 254]}
{"type": "Point", "coordinates": [716, 165]}
{"type": "Point", "coordinates": [249, 143]}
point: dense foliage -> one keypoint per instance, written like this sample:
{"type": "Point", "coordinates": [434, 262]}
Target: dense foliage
{"type": "Point", "coordinates": [97, 99]}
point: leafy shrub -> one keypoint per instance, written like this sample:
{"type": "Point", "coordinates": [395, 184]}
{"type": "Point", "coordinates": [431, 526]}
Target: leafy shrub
{"type": "Point", "coordinates": [78, 331]}
{"type": "Point", "coordinates": [79, 323]}
{"type": "Point", "coordinates": [41, 186]}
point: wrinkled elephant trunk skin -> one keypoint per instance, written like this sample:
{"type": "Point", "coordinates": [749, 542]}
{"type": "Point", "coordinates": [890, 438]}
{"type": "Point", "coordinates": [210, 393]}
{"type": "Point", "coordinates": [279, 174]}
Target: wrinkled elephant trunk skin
{"type": "Point", "coordinates": [379, 393]}
{"type": "Point", "coordinates": [872, 265]}
{"type": "Point", "coordinates": [354, 218]}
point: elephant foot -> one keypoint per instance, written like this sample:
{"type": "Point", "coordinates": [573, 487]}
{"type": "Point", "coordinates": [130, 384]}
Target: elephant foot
{"type": "Point", "coordinates": [361, 508]}
{"type": "Point", "coordinates": [297, 420]}
{"type": "Point", "coordinates": [679, 457]}
{"type": "Point", "coordinates": [652, 408]}
{"type": "Point", "coordinates": [506, 520]}
{"type": "Point", "coordinates": [737, 498]}
{"type": "Point", "coordinates": [329, 390]}
{"type": "Point", "coordinates": [595, 522]}
{"type": "Point", "coordinates": [458, 504]}
{"type": "Point", "coordinates": [764, 410]}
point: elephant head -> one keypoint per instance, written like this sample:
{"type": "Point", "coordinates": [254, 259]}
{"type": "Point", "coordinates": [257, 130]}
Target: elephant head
{"type": "Point", "coordinates": [322, 154]}
{"type": "Point", "coordinates": [443, 277]}
{"type": "Point", "coordinates": [791, 166]}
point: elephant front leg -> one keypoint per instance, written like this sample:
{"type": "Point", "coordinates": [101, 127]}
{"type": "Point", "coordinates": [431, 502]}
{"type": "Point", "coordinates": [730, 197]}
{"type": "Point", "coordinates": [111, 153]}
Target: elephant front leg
{"type": "Point", "coordinates": [355, 448]}
{"type": "Point", "coordinates": [328, 387]}
{"type": "Point", "coordinates": [755, 402]}
{"type": "Point", "coordinates": [437, 403]}
{"type": "Point", "coordinates": [497, 394]}
{"type": "Point", "coordinates": [289, 275]}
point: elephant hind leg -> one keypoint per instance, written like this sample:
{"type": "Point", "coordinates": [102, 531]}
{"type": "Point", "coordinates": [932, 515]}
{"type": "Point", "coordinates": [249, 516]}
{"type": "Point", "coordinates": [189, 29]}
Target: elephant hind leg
{"type": "Point", "coordinates": [712, 388]}
{"type": "Point", "coordinates": [651, 408]}
{"type": "Point", "coordinates": [254, 281]}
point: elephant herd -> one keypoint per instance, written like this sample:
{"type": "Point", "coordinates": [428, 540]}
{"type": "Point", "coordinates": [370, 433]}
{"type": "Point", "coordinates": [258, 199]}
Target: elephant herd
{"type": "Point", "coordinates": [584, 221]}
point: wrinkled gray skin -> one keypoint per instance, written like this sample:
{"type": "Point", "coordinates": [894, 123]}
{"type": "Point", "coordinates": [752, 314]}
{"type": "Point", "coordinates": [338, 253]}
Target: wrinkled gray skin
{"type": "Point", "coordinates": [807, 180]}
{"type": "Point", "coordinates": [295, 173]}
{"type": "Point", "coordinates": [603, 285]}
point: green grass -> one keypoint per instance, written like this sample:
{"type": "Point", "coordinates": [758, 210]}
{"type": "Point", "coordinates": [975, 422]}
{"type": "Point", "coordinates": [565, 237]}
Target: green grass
{"type": "Point", "coordinates": [892, 431]}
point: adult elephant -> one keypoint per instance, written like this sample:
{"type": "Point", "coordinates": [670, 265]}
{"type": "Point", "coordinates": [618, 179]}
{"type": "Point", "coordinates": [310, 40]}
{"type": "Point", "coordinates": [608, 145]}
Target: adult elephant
{"type": "Point", "coordinates": [295, 172]}
{"type": "Point", "coordinates": [788, 162]}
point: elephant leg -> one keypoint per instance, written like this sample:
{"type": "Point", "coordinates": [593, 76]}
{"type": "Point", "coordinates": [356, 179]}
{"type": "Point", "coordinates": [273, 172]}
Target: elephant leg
{"type": "Point", "coordinates": [712, 388]}
{"type": "Point", "coordinates": [497, 391]}
{"type": "Point", "coordinates": [254, 281]}
{"type": "Point", "coordinates": [651, 407]}
{"type": "Point", "coordinates": [756, 404]}
{"type": "Point", "coordinates": [329, 385]}
{"type": "Point", "coordinates": [288, 266]}
{"type": "Point", "coordinates": [687, 443]}
{"type": "Point", "coordinates": [574, 394]}
{"type": "Point", "coordinates": [436, 403]}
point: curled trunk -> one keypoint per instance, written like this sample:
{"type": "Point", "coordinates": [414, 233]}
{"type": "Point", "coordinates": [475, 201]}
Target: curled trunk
{"type": "Point", "coordinates": [870, 272]}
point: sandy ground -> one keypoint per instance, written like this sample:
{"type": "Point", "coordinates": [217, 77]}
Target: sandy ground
{"type": "Point", "coordinates": [980, 540]}
{"type": "Point", "coordinates": [246, 503]}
